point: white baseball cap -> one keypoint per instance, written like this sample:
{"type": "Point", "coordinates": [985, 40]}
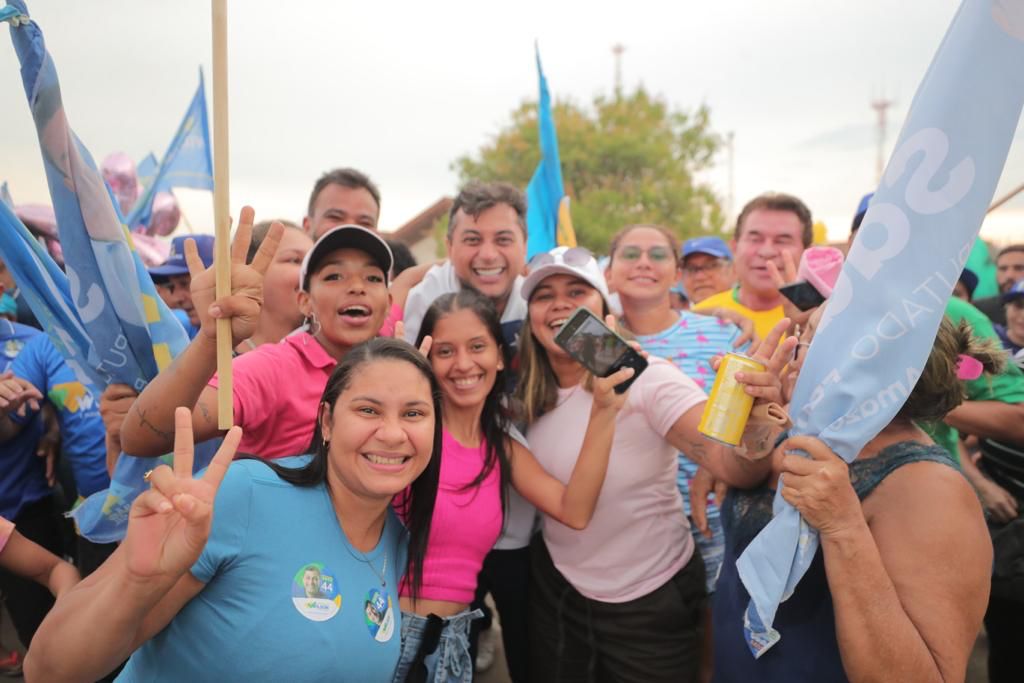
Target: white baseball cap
{"type": "Point", "coordinates": [577, 261]}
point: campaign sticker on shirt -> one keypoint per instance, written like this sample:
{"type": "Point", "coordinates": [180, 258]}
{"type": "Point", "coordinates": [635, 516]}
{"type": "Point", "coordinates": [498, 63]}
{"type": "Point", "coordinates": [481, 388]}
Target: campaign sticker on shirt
{"type": "Point", "coordinates": [13, 347]}
{"type": "Point", "coordinates": [380, 618]}
{"type": "Point", "coordinates": [315, 593]}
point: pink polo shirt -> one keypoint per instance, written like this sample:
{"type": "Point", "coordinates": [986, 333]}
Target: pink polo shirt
{"type": "Point", "coordinates": [277, 392]}
{"type": "Point", "coordinates": [638, 537]}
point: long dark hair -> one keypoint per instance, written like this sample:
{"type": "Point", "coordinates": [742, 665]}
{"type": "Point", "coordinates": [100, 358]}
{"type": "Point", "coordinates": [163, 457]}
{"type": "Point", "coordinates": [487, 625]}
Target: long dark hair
{"type": "Point", "coordinates": [495, 421]}
{"type": "Point", "coordinates": [417, 508]}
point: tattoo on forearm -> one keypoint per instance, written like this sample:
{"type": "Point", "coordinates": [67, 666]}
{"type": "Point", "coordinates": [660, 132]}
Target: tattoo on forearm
{"type": "Point", "coordinates": [205, 411]}
{"type": "Point", "coordinates": [696, 451]}
{"type": "Point", "coordinates": [143, 422]}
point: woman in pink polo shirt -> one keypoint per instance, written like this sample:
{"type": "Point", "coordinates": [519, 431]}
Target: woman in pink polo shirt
{"type": "Point", "coordinates": [622, 598]}
{"type": "Point", "coordinates": [344, 297]}
{"type": "Point", "coordinates": [481, 457]}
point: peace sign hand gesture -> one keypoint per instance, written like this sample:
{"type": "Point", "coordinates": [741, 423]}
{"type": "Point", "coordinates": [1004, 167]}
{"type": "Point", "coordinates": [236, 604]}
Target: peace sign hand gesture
{"type": "Point", "coordinates": [168, 526]}
{"type": "Point", "coordinates": [244, 303]}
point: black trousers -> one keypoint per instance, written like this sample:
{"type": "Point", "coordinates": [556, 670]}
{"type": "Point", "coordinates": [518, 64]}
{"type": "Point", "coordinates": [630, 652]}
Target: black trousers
{"type": "Point", "coordinates": [653, 639]}
{"type": "Point", "coordinates": [27, 601]}
{"type": "Point", "coordinates": [506, 576]}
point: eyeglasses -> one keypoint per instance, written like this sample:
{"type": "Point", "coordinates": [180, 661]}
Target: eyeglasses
{"type": "Point", "coordinates": [658, 254]}
{"type": "Point", "coordinates": [706, 268]}
{"type": "Point", "coordinates": [574, 256]}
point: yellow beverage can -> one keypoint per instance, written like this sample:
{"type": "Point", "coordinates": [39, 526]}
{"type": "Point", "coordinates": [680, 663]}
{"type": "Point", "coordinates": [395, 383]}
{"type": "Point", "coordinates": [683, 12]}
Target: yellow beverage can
{"type": "Point", "coordinates": [728, 407]}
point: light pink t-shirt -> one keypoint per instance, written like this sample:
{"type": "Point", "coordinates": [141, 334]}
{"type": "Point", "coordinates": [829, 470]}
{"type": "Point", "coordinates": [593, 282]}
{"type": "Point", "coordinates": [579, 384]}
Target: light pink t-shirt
{"type": "Point", "coordinates": [639, 537]}
{"type": "Point", "coordinates": [6, 529]}
{"type": "Point", "coordinates": [277, 390]}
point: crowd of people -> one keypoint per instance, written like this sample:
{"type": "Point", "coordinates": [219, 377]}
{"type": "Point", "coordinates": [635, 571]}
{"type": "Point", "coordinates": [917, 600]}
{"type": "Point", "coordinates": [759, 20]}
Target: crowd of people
{"type": "Point", "coordinates": [415, 452]}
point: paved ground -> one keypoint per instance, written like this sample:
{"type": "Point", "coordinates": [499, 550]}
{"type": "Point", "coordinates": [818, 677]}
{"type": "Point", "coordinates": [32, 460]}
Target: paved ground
{"type": "Point", "coordinates": [499, 673]}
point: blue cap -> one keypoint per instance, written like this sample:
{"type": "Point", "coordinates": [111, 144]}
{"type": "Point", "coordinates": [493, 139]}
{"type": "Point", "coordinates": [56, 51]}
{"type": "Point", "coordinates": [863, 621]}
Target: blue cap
{"type": "Point", "coordinates": [176, 264]}
{"type": "Point", "coordinates": [1014, 293]}
{"type": "Point", "coordinates": [8, 306]}
{"type": "Point", "coordinates": [969, 280]}
{"type": "Point", "coordinates": [712, 246]}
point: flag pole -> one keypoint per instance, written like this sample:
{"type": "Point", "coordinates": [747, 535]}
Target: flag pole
{"type": "Point", "coordinates": [221, 209]}
{"type": "Point", "coordinates": [1005, 198]}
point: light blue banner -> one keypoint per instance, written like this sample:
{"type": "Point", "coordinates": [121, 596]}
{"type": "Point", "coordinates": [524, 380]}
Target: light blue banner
{"type": "Point", "coordinates": [881, 321]}
{"type": "Point", "coordinates": [546, 188]}
{"type": "Point", "coordinates": [105, 317]}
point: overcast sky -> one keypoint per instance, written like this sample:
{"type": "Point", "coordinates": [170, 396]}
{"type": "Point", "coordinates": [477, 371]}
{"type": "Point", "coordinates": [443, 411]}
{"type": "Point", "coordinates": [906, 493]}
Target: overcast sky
{"type": "Point", "coordinates": [400, 89]}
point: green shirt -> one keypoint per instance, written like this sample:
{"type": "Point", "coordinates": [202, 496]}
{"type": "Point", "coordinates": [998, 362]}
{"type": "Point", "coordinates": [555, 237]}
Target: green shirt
{"type": "Point", "coordinates": [1007, 386]}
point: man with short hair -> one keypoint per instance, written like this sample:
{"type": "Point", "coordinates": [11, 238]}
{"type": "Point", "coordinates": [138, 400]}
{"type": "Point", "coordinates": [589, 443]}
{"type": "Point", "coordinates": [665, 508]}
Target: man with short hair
{"type": "Point", "coordinates": [343, 196]}
{"type": "Point", "coordinates": [1009, 269]}
{"type": "Point", "coordinates": [174, 283]}
{"type": "Point", "coordinates": [771, 229]}
{"type": "Point", "coordinates": [707, 268]}
{"type": "Point", "coordinates": [486, 251]}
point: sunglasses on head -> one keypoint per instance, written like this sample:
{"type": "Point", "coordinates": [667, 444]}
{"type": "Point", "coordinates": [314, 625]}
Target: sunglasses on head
{"type": "Point", "coordinates": [574, 256]}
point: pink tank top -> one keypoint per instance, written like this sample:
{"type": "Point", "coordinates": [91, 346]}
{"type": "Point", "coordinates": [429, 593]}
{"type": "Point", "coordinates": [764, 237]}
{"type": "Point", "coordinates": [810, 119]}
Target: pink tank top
{"type": "Point", "coordinates": [465, 525]}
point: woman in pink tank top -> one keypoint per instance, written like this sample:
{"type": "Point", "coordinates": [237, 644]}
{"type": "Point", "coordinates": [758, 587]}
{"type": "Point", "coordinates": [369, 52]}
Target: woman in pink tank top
{"type": "Point", "coordinates": [480, 458]}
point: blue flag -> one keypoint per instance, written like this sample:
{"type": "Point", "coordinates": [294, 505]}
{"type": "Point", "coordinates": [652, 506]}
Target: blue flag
{"type": "Point", "coordinates": [186, 163]}
{"type": "Point", "coordinates": [5, 195]}
{"type": "Point", "coordinates": [117, 329]}
{"type": "Point", "coordinates": [878, 329]}
{"type": "Point", "coordinates": [544, 193]}
{"type": "Point", "coordinates": [146, 170]}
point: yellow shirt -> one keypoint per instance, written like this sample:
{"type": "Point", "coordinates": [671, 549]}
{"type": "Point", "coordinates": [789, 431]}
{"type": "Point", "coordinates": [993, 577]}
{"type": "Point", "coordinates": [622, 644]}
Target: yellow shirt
{"type": "Point", "coordinates": [764, 321]}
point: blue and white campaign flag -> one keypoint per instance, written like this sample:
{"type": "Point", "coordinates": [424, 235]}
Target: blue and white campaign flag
{"type": "Point", "coordinates": [187, 162]}
{"type": "Point", "coordinates": [880, 324]}
{"type": "Point", "coordinates": [118, 329]}
{"type": "Point", "coordinates": [5, 195]}
{"type": "Point", "coordinates": [146, 170]}
{"type": "Point", "coordinates": [545, 191]}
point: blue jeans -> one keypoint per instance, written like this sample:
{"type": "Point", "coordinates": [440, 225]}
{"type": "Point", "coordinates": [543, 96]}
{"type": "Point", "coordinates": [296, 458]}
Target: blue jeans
{"type": "Point", "coordinates": [450, 661]}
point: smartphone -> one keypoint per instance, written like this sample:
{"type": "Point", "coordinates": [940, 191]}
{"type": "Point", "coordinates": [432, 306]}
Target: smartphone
{"type": "Point", "coordinates": [803, 295]}
{"type": "Point", "coordinates": [586, 338]}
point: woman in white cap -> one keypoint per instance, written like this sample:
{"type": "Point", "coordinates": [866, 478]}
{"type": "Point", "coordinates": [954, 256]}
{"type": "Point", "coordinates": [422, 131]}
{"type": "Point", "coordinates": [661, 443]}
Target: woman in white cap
{"type": "Point", "coordinates": [623, 598]}
{"type": "Point", "coordinates": [344, 297]}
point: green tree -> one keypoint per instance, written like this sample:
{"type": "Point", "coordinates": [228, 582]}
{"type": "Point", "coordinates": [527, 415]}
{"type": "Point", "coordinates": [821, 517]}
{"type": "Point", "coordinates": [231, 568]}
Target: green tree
{"type": "Point", "coordinates": [626, 159]}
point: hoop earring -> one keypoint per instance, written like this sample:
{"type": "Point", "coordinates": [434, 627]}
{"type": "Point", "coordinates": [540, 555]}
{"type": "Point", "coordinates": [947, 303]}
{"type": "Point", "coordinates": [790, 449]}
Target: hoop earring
{"type": "Point", "coordinates": [312, 324]}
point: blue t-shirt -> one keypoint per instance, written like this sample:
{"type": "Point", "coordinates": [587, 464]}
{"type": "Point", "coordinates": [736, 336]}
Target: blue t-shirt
{"type": "Point", "coordinates": [81, 428]}
{"type": "Point", "coordinates": [182, 317]}
{"type": "Point", "coordinates": [22, 474]}
{"type": "Point", "coordinates": [286, 597]}
{"type": "Point", "coordinates": [690, 344]}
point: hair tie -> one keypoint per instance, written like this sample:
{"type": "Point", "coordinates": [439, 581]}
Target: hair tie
{"type": "Point", "coordinates": [968, 367]}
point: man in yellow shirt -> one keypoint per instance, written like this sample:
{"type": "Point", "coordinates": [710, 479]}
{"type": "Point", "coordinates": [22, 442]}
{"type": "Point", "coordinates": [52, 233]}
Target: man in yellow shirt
{"type": "Point", "coordinates": [769, 226]}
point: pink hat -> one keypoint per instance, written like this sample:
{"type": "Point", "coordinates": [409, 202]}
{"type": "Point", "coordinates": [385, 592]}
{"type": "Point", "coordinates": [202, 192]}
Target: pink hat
{"type": "Point", "coordinates": [820, 266]}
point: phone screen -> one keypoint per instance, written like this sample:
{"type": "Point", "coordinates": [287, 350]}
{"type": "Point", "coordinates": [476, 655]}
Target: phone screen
{"type": "Point", "coordinates": [596, 347]}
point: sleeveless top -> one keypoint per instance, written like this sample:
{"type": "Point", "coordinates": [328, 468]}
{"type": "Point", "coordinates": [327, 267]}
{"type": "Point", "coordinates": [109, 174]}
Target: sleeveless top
{"type": "Point", "coordinates": [465, 524]}
{"type": "Point", "coordinates": [808, 650]}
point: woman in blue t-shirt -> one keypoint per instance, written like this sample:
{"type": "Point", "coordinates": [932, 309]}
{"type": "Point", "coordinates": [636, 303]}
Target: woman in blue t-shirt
{"type": "Point", "coordinates": [296, 576]}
